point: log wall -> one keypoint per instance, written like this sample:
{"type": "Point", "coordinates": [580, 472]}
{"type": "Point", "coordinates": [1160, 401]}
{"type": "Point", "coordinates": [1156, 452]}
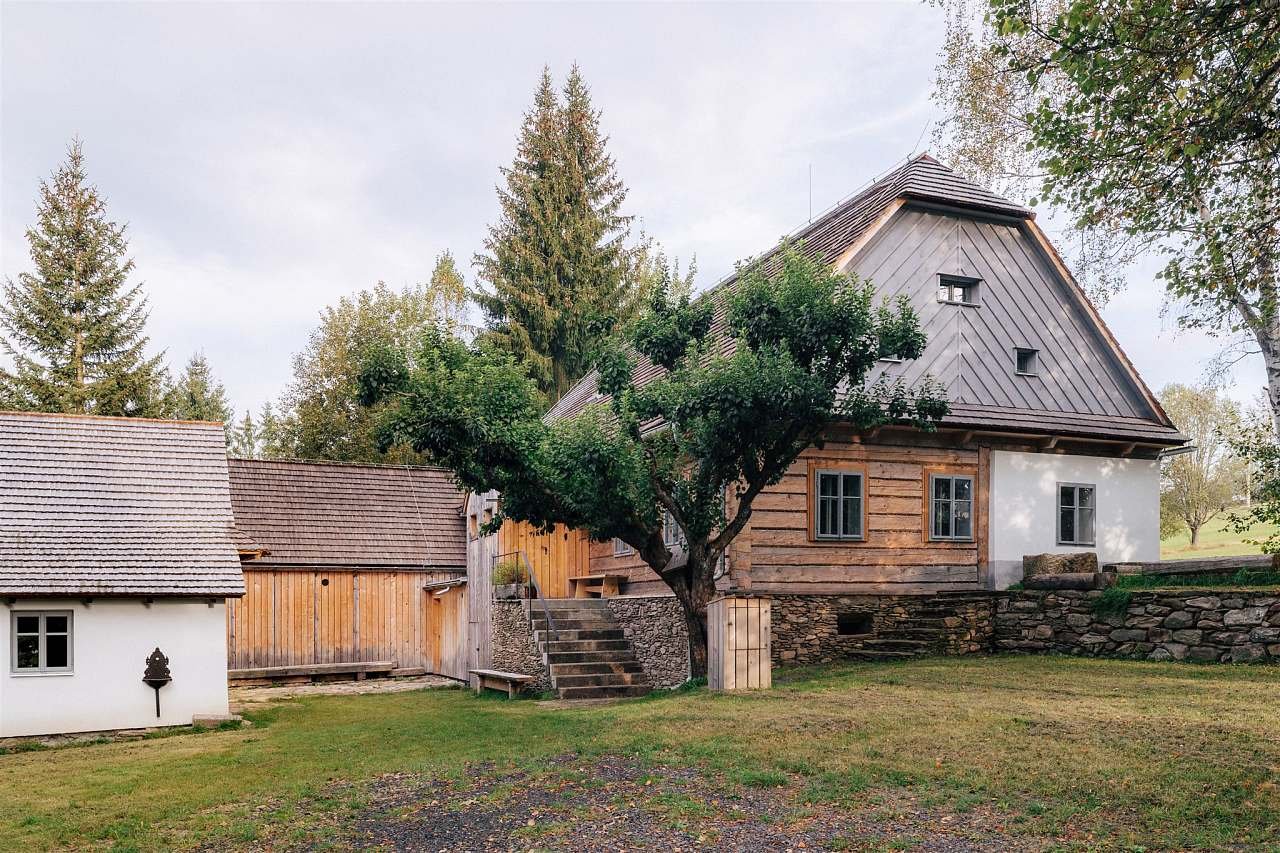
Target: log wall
{"type": "Point", "coordinates": [305, 617]}
{"type": "Point", "coordinates": [555, 557]}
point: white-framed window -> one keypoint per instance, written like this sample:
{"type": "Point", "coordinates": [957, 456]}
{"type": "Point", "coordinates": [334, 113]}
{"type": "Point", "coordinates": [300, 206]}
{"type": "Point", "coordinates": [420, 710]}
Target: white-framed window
{"type": "Point", "coordinates": [958, 289]}
{"type": "Point", "coordinates": [951, 507]}
{"type": "Point", "coordinates": [1075, 513]}
{"type": "Point", "coordinates": [41, 641]}
{"type": "Point", "coordinates": [672, 535]}
{"type": "Point", "coordinates": [1026, 362]}
{"type": "Point", "coordinates": [620, 548]}
{"type": "Point", "coordinates": [837, 505]}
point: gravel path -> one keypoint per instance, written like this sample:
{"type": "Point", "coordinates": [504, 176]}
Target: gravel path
{"type": "Point", "coordinates": [614, 804]}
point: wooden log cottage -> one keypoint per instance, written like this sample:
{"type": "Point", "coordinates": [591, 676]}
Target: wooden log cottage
{"type": "Point", "coordinates": [115, 544]}
{"type": "Point", "coordinates": [879, 543]}
{"type": "Point", "coordinates": [349, 570]}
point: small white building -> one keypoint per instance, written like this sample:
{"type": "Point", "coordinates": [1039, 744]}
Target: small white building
{"type": "Point", "coordinates": [116, 540]}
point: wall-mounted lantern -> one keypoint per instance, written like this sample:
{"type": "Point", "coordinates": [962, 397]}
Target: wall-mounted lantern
{"type": "Point", "coordinates": [157, 674]}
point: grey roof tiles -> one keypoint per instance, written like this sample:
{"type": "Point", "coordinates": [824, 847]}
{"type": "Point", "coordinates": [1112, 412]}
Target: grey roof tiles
{"type": "Point", "coordinates": [114, 506]}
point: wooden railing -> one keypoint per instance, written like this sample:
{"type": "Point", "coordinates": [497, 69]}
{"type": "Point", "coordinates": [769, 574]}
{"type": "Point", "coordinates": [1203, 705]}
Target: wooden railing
{"type": "Point", "coordinates": [533, 580]}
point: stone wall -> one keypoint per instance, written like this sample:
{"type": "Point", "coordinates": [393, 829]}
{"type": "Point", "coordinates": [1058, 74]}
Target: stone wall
{"type": "Point", "coordinates": [655, 626]}
{"type": "Point", "coordinates": [514, 649]}
{"type": "Point", "coordinates": [1195, 625]}
{"type": "Point", "coordinates": [807, 628]}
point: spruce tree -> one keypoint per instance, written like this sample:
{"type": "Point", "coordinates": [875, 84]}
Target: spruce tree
{"type": "Point", "coordinates": [197, 395]}
{"type": "Point", "coordinates": [244, 438]}
{"type": "Point", "coordinates": [556, 264]}
{"type": "Point", "coordinates": [74, 326]}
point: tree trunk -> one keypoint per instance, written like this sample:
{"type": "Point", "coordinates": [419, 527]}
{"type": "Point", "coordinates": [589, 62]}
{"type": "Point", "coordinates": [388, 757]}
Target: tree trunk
{"type": "Point", "coordinates": [694, 586]}
{"type": "Point", "coordinates": [1195, 535]}
{"type": "Point", "coordinates": [1268, 337]}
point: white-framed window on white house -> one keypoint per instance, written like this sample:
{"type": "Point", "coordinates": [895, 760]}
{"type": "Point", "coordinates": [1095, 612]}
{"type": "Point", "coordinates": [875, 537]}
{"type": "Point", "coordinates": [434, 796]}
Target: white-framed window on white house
{"type": "Point", "coordinates": [620, 548]}
{"type": "Point", "coordinates": [41, 641]}
{"type": "Point", "coordinates": [951, 507]}
{"type": "Point", "coordinates": [1076, 513]}
{"type": "Point", "coordinates": [958, 289]}
{"type": "Point", "coordinates": [837, 504]}
{"type": "Point", "coordinates": [672, 535]}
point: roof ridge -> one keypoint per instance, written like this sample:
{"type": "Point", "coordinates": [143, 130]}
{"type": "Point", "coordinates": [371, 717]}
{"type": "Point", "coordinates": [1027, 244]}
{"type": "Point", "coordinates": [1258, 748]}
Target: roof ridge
{"type": "Point", "coordinates": [291, 460]}
{"type": "Point", "coordinates": [126, 418]}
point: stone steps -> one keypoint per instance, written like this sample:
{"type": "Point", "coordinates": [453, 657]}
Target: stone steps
{"type": "Point", "coordinates": [587, 653]}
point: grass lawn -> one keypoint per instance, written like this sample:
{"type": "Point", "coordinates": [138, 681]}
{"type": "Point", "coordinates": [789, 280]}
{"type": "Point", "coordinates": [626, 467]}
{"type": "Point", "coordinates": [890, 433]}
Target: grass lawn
{"type": "Point", "coordinates": [1081, 753]}
{"type": "Point", "coordinates": [1217, 539]}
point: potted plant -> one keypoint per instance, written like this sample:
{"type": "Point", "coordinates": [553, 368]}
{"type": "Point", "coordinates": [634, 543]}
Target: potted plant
{"type": "Point", "coordinates": [510, 580]}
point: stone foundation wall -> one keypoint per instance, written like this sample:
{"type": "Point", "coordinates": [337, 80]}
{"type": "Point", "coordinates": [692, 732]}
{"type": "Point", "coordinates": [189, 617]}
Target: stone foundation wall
{"type": "Point", "coordinates": [806, 628]}
{"type": "Point", "coordinates": [655, 626]}
{"type": "Point", "coordinates": [1196, 625]}
{"type": "Point", "coordinates": [514, 649]}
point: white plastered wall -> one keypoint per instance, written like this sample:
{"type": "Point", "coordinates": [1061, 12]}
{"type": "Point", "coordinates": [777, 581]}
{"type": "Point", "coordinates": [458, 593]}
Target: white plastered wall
{"type": "Point", "coordinates": [111, 639]}
{"type": "Point", "coordinates": [1024, 504]}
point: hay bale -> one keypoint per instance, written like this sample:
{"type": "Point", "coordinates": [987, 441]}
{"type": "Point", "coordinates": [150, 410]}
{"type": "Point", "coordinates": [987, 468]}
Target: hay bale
{"type": "Point", "coordinates": [1080, 562]}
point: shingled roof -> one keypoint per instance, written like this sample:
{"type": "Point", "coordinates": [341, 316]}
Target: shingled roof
{"type": "Point", "coordinates": [114, 506]}
{"type": "Point", "coordinates": [835, 235]}
{"type": "Point", "coordinates": [338, 514]}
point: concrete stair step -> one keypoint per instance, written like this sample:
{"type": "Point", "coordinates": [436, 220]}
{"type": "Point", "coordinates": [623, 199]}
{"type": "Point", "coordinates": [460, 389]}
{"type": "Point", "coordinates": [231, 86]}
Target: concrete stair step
{"type": "Point", "coordinates": [585, 634]}
{"type": "Point", "coordinates": [594, 668]}
{"type": "Point", "coordinates": [618, 692]}
{"type": "Point", "coordinates": [597, 656]}
{"type": "Point", "coordinates": [556, 605]}
{"type": "Point", "coordinates": [608, 679]}
{"type": "Point", "coordinates": [575, 624]}
{"type": "Point", "coordinates": [585, 646]}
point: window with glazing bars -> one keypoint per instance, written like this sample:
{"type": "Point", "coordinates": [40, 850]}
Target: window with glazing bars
{"type": "Point", "coordinates": [838, 505]}
{"type": "Point", "coordinates": [41, 641]}
{"type": "Point", "coordinates": [950, 506]}
{"type": "Point", "coordinates": [1075, 513]}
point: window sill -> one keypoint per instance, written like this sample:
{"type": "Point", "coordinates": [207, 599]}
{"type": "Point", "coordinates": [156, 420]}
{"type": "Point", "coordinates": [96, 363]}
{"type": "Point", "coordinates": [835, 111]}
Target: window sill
{"type": "Point", "coordinates": [960, 304]}
{"type": "Point", "coordinates": [1077, 544]}
{"type": "Point", "coordinates": [51, 674]}
{"type": "Point", "coordinates": [837, 540]}
{"type": "Point", "coordinates": [968, 541]}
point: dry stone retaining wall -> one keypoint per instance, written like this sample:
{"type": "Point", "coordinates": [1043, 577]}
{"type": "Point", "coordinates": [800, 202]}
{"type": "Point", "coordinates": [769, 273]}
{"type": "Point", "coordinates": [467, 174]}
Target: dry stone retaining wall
{"type": "Point", "coordinates": [1195, 625]}
{"type": "Point", "coordinates": [655, 626]}
{"type": "Point", "coordinates": [513, 646]}
{"type": "Point", "coordinates": [806, 628]}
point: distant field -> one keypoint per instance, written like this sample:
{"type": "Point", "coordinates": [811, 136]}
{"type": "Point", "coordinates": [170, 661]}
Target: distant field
{"type": "Point", "coordinates": [1217, 539]}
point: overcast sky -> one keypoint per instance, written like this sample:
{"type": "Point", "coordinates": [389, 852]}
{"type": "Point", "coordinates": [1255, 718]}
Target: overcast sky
{"type": "Point", "coordinates": [271, 158]}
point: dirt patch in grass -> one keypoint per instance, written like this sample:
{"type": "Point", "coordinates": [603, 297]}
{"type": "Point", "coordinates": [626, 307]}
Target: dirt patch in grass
{"type": "Point", "coordinates": [616, 803]}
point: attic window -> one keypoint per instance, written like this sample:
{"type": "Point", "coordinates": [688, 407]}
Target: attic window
{"type": "Point", "coordinates": [1026, 361]}
{"type": "Point", "coordinates": [958, 290]}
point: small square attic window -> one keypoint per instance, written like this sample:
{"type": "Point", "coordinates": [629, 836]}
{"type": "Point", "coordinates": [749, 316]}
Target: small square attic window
{"type": "Point", "coordinates": [958, 290]}
{"type": "Point", "coordinates": [1026, 362]}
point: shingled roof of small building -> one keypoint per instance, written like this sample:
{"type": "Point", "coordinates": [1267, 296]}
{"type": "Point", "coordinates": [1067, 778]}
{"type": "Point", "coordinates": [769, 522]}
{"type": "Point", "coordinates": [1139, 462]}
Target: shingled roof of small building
{"type": "Point", "coordinates": [306, 513]}
{"type": "Point", "coordinates": [114, 506]}
{"type": "Point", "coordinates": [830, 238]}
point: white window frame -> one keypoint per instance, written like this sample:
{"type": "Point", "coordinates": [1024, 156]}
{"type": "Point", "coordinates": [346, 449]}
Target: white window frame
{"type": "Point", "coordinates": [1075, 506]}
{"type": "Point", "coordinates": [935, 502]}
{"type": "Point", "coordinates": [950, 283]}
{"type": "Point", "coordinates": [672, 535]}
{"type": "Point", "coordinates": [621, 549]}
{"type": "Point", "coordinates": [1018, 352]}
{"type": "Point", "coordinates": [42, 656]}
{"type": "Point", "coordinates": [840, 497]}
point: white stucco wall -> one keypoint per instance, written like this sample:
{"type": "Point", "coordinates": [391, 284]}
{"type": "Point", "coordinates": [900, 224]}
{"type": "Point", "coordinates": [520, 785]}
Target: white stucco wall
{"type": "Point", "coordinates": [111, 639]}
{"type": "Point", "coordinates": [1024, 508]}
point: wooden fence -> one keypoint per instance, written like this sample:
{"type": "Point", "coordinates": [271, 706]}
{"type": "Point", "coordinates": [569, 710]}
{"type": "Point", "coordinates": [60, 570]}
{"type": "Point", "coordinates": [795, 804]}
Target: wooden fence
{"type": "Point", "coordinates": [300, 620]}
{"type": "Point", "coordinates": [555, 557]}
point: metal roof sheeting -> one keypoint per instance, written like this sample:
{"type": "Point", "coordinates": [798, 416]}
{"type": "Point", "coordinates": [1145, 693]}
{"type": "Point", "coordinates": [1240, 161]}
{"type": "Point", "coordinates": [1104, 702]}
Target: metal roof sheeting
{"type": "Point", "coordinates": [114, 506]}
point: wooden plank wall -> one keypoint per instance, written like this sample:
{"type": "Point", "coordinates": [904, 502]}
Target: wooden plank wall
{"type": "Point", "coordinates": [299, 617]}
{"type": "Point", "coordinates": [555, 556]}
{"type": "Point", "coordinates": [896, 554]}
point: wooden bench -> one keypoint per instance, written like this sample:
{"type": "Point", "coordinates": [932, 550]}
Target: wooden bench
{"type": "Point", "coordinates": [596, 586]}
{"type": "Point", "coordinates": [512, 682]}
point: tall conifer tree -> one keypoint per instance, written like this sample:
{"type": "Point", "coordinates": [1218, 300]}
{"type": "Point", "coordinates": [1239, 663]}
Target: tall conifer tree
{"type": "Point", "coordinates": [556, 264]}
{"type": "Point", "coordinates": [197, 395]}
{"type": "Point", "coordinates": [74, 326]}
